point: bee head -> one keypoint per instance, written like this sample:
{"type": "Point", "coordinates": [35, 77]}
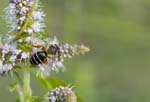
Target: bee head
{"type": "Point", "coordinates": [53, 49]}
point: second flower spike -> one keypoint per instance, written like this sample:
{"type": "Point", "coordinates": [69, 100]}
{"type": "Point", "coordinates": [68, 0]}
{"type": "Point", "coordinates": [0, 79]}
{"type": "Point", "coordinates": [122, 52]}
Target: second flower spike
{"type": "Point", "coordinates": [50, 56]}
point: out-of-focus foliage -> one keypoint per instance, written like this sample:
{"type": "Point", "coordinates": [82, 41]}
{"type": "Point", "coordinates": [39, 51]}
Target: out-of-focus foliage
{"type": "Point", "coordinates": [118, 32]}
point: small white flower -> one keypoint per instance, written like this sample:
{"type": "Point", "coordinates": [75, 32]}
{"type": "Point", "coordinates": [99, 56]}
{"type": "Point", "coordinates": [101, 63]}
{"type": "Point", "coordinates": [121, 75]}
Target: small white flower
{"type": "Point", "coordinates": [29, 30]}
{"type": "Point", "coordinates": [31, 3]}
{"type": "Point", "coordinates": [38, 42]}
{"type": "Point", "coordinates": [24, 2]}
{"type": "Point", "coordinates": [38, 15]}
{"type": "Point", "coordinates": [5, 67]}
{"type": "Point", "coordinates": [35, 41]}
{"type": "Point", "coordinates": [53, 41]}
{"type": "Point", "coordinates": [13, 48]}
{"type": "Point", "coordinates": [18, 28]}
{"type": "Point", "coordinates": [8, 67]}
{"type": "Point", "coordinates": [12, 58]}
{"type": "Point", "coordinates": [53, 99]}
{"type": "Point", "coordinates": [22, 19]}
{"type": "Point", "coordinates": [6, 48]}
{"type": "Point", "coordinates": [25, 55]}
{"type": "Point", "coordinates": [12, 6]}
{"type": "Point", "coordinates": [55, 65]}
{"type": "Point", "coordinates": [46, 68]}
{"type": "Point", "coordinates": [20, 41]}
{"type": "Point", "coordinates": [28, 39]}
{"type": "Point", "coordinates": [37, 26]}
{"type": "Point", "coordinates": [20, 5]}
{"type": "Point", "coordinates": [23, 10]}
{"type": "Point", "coordinates": [14, 26]}
{"type": "Point", "coordinates": [11, 11]}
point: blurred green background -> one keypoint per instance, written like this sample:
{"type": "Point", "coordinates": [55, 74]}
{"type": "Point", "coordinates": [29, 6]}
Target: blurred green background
{"type": "Point", "coordinates": [117, 69]}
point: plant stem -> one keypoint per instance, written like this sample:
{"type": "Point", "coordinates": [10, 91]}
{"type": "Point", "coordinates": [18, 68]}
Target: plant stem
{"type": "Point", "coordinates": [18, 87]}
{"type": "Point", "coordinates": [27, 89]}
{"type": "Point", "coordinates": [20, 92]}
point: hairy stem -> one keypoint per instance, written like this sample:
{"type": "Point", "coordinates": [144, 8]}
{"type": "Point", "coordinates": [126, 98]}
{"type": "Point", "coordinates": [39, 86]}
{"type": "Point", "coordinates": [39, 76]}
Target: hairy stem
{"type": "Point", "coordinates": [18, 87]}
{"type": "Point", "coordinates": [27, 89]}
{"type": "Point", "coordinates": [20, 92]}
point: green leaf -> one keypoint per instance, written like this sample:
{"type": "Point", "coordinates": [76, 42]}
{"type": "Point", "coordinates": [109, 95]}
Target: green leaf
{"type": "Point", "coordinates": [43, 35]}
{"type": "Point", "coordinates": [13, 87]}
{"type": "Point", "coordinates": [51, 83]}
{"type": "Point", "coordinates": [17, 99]}
{"type": "Point", "coordinates": [26, 47]}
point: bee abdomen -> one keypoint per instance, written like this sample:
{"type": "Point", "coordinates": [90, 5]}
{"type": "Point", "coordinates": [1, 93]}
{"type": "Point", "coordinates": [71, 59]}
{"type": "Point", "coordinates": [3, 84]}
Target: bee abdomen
{"type": "Point", "coordinates": [38, 58]}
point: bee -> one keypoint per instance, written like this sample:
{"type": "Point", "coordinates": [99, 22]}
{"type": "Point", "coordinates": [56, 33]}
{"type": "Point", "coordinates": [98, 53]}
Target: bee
{"type": "Point", "coordinates": [42, 56]}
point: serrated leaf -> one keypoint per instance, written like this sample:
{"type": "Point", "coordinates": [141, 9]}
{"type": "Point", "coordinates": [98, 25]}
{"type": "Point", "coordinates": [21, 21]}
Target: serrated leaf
{"type": "Point", "coordinates": [51, 83]}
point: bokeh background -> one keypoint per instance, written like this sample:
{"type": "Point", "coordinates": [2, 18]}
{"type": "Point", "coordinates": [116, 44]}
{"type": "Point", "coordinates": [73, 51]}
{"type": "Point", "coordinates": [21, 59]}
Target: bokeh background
{"type": "Point", "coordinates": [117, 69]}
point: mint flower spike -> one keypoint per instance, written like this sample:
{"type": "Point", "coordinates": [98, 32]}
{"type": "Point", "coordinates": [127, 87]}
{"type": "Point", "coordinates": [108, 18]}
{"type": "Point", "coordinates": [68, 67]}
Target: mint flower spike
{"type": "Point", "coordinates": [62, 94]}
{"type": "Point", "coordinates": [8, 56]}
{"type": "Point", "coordinates": [25, 16]}
{"type": "Point", "coordinates": [57, 53]}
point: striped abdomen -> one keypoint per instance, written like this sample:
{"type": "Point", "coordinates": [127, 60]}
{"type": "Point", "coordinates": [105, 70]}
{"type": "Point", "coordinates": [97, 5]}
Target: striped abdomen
{"type": "Point", "coordinates": [38, 58]}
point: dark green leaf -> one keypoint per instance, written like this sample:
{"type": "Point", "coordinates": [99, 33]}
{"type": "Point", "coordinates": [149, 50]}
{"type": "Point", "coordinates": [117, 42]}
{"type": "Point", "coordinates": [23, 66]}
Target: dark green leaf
{"type": "Point", "coordinates": [18, 100]}
{"type": "Point", "coordinates": [51, 83]}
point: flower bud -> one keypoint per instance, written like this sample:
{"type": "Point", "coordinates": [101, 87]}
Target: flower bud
{"type": "Point", "coordinates": [62, 94]}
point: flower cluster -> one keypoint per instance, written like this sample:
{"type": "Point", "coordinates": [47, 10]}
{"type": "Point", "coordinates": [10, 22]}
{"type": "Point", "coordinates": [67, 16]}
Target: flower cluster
{"type": "Point", "coordinates": [62, 94]}
{"type": "Point", "coordinates": [62, 51]}
{"type": "Point", "coordinates": [9, 57]}
{"type": "Point", "coordinates": [25, 46]}
{"type": "Point", "coordinates": [21, 13]}
{"type": "Point", "coordinates": [26, 18]}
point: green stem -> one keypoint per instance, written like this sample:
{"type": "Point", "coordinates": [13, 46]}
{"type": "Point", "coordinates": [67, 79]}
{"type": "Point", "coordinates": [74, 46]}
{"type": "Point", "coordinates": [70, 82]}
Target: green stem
{"type": "Point", "coordinates": [20, 92]}
{"type": "Point", "coordinates": [27, 89]}
{"type": "Point", "coordinates": [18, 87]}
{"type": "Point", "coordinates": [27, 20]}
